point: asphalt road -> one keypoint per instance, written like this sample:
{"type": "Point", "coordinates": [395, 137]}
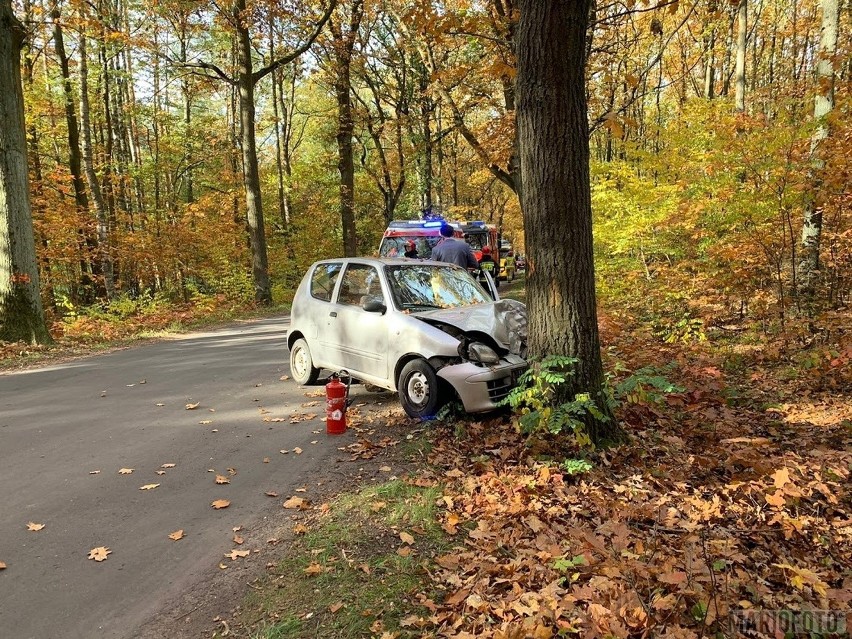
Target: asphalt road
{"type": "Point", "coordinates": [66, 431]}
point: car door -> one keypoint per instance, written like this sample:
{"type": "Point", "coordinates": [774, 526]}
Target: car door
{"type": "Point", "coordinates": [323, 282]}
{"type": "Point", "coordinates": [358, 339]}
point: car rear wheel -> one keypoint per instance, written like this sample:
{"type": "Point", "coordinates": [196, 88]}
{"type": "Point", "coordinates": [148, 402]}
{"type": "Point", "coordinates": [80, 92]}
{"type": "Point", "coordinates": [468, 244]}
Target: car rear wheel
{"type": "Point", "coordinates": [419, 391]}
{"type": "Point", "coordinates": [301, 365]}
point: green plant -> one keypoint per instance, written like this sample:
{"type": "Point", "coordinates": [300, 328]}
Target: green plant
{"type": "Point", "coordinates": [536, 392]}
{"type": "Point", "coordinates": [646, 385]}
{"type": "Point", "coordinates": [575, 466]}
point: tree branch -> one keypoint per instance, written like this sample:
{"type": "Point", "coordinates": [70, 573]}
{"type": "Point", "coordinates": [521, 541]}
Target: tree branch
{"type": "Point", "coordinates": [260, 73]}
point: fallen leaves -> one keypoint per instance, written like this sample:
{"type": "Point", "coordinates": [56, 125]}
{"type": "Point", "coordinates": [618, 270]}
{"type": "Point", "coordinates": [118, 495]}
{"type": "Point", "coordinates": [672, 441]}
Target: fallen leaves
{"type": "Point", "coordinates": [2, 565]}
{"type": "Point", "coordinates": [148, 487]}
{"type": "Point", "coordinates": [296, 503]}
{"type": "Point", "coordinates": [125, 471]}
{"type": "Point", "coordinates": [220, 503]}
{"type": "Point", "coordinates": [237, 554]}
{"type": "Point", "coordinates": [177, 535]}
{"type": "Point", "coordinates": [221, 479]}
{"type": "Point", "coordinates": [193, 406]}
{"type": "Point", "coordinates": [168, 465]}
{"type": "Point", "coordinates": [100, 553]}
{"type": "Point", "coordinates": [34, 526]}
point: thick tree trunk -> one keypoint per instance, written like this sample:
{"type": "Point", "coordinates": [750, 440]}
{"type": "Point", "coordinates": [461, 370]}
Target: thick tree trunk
{"type": "Point", "coordinates": [823, 105]}
{"type": "Point", "coordinates": [553, 136]}
{"type": "Point", "coordinates": [21, 313]}
{"type": "Point", "coordinates": [251, 173]}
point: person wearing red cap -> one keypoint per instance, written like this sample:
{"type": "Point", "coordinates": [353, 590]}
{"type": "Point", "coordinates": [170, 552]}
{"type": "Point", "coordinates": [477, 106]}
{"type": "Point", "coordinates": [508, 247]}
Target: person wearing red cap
{"type": "Point", "coordinates": [410, 249]}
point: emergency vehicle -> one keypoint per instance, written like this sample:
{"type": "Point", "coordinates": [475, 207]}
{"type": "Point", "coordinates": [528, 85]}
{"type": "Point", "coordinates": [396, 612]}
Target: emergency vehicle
{"type": "Point", "coordinates": [479, 234]}
{"type": "Point", "coordinates": [424, 233]}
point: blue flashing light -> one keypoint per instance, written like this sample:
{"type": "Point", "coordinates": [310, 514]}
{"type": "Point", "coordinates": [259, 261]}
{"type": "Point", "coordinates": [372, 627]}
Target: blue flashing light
{"type": "Point", "coordinates": [431, 224]}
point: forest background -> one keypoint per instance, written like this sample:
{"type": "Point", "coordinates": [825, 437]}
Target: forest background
{"type": "Point", "coordinates": [709, 162]}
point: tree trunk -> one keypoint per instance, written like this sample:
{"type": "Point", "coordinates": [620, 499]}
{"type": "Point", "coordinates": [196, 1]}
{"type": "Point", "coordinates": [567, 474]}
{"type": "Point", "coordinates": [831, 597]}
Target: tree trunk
{"type": "Point", "coordinates": [553, 136]}
{"type": "Point", "coordinates": [251, 173]}
{"type": "Point", "coordinates": [739, 75]}
{"type": "Point", "coordinates": [823, 105]}
{"type": "Point", "coordinates": [21, 313]}
{"type": "Point", "coordinates": [92, 178]}
{"type": "Point", "coordinates": [344, 42]}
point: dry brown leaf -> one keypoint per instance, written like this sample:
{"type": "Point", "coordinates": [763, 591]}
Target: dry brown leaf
{"type": "Point", "coordinates": [100, 553]}
{"type": "Point", "coordinates": [271, 493]}
{"type": "Point", "coordinates": [300, 529]}
{"type": "Point", "coordinates": [148, 487]}
{"type": "Point", "coordinates": [232, 471]}
{"type": "Point", "coordinates": [297, 450]}
{"type": "Point", "coordinates": [296, 502]}
{"type": "Point", "coordinates": [94, 472]}
{"type": "Point", "coordinates": [236, 554]}
{"type": "Point", "coordinates": [178, 534]}
{"type": "Point", "coordinates": [406, 537]}
{"type": "Point", "coordinates": [223, 566]}
{"type": "Point", "coordinates": [781, 477]}
{"type": "Point", "coordinates": [168, 465]}
{"type": "Point", "coordinates": [221, 479]}
{"type": "Point", "coordinates": [205, 421]}
{"type": "Point", "coordinates": [335, 607]}
{"type": "Point", "coordinates": [314, 569]}
{"type": "Point", "coordinates": [193, 406]}
{"type": "Point", "coordinates": [220, 503]}
{"type": "Point", "coordinates": [404, 551]}
{"type": "Point", "coordinates": [238, 540]}
{"type": "Point", "coordinates": [33, 526]}
{"type": "Point", "coordinates": [266, 460]}
{"type": "Point", "coordinates": [2, 566]}
{"type": "Point", "coordinates": [159, 472]}
{"type": "Point", "coordinates": [125, 471]}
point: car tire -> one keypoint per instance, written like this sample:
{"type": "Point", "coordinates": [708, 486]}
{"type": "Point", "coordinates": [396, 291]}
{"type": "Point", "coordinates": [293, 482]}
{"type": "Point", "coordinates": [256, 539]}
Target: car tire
{"type": "Point", "coordinates": [301, 364]}
{"type": "Point", "coordinates": [419, 389]}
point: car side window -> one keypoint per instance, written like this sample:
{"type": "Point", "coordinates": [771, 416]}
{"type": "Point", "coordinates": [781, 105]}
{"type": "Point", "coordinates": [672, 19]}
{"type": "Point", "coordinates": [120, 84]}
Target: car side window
{"type": "Point", "coordinates": [323, 281]}
{"type": "Point", "coordinates": [359, 285]}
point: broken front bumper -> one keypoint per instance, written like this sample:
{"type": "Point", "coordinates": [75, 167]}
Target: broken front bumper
{"type": "Point", "coordinates": [481, 388]}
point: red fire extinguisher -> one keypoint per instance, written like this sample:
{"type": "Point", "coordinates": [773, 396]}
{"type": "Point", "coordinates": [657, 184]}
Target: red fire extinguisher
{"type": "Point", "coordinates": [336, 400]}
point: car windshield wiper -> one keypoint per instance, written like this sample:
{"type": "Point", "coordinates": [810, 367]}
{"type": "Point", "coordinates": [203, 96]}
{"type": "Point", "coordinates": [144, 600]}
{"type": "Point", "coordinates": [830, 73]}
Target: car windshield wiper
{"type": "Point", "coordinates": [421, 305]}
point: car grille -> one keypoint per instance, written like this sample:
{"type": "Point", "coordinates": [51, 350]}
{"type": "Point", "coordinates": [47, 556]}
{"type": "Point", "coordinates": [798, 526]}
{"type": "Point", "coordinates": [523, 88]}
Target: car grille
{"type": "Point", "coordinates": [499, 388]}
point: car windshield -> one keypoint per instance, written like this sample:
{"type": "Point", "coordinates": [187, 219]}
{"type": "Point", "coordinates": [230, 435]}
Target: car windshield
{"type": "Point", "coordinates": [421, 287]}
{"type": "Point", "coordinates": [395, 246]}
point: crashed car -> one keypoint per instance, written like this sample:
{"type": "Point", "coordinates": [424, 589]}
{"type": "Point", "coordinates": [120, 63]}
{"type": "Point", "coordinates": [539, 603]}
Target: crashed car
{"type": "Point", "coordinates": [427, 330]}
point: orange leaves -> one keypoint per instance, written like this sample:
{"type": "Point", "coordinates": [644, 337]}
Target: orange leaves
{"type": "Point", "coordinates": [177, 535]}
{"type": "Point", "coordinates": [34, 527]}
{"type": "Point", "coordinates": [221, 479]}
{"type": "Point", "coordinates": [148, 487]}
{"type": "Point", "coordinates": [296, 503]}
{"type": "Point", "coordinates": [219, 504]}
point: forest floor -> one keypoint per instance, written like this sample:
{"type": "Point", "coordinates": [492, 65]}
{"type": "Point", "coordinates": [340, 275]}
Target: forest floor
{"type": "Point", "coordinates": [729, 511]}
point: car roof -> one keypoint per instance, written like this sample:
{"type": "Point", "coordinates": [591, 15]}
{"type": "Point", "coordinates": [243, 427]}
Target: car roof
{"type": "Point", "coordinates": [384, 261]}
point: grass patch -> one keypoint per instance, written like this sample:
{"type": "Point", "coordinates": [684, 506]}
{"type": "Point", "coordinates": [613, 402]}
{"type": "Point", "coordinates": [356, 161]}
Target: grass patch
{"type": "Point", "coordinates": [354, 572]}
{"type": "Point", "coordinates": [515, 290]}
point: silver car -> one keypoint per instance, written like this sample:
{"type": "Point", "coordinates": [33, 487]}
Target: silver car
{"type": "Point", "coordinates": [428, 330]}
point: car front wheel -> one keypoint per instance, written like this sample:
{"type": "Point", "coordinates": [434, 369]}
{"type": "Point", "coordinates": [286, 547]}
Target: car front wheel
{"type": "Point", "coordinates": [301, 364]}
{"type": "Point", "coordinates": [418, 389]}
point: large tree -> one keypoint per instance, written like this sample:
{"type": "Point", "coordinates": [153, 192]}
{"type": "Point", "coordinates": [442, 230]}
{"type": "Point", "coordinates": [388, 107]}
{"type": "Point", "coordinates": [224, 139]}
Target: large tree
{"type": "Point", "coordinates": [21, 315]}
{"type": "Point", "coordinates": [553, 141]}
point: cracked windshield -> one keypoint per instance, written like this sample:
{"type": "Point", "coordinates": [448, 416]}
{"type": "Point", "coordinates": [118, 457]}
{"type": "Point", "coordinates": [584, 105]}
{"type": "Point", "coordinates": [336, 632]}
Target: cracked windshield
{"type": "Point", "coordinates": [422, 287]}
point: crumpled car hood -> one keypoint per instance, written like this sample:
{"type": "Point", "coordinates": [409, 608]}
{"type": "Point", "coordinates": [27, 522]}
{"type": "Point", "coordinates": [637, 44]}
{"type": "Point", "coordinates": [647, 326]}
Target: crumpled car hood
{"type": "Point", "coordinates": [505, 320]}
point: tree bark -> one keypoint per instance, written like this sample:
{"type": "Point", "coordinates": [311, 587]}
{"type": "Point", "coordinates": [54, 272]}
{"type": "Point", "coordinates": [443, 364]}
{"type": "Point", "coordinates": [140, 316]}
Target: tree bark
{"type": "Point", "coordinates": [344, 42]}
{"type": "Point", "coordinates": [251, 173]}
{"type": "Point", "coordinates": [21, 313]}
{"type": "Point", "coordinates": [553, 140]}
{"type": "Point", "coordinates": [823, 105]}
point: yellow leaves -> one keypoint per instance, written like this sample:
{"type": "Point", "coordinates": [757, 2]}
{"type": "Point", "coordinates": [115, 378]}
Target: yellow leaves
{"type": "Point", "coordinates": [176, 535]}
{"type": "Point", "coordinates": [221, 479]}
{"type": "Point", "coordinates": [781, 477]}
{"type": "Point", "coordinates": [100, 553]}
{"type": "Point", "coordinates": [125, 471]}
{"type": "Point", "coordinates": [314, 569]}
{"type": "Point", "coordinates": [775, 499]}
{"type": "Point", "coordinates": [406, 538]}
{"type": "Point", "coordinates": [220, 503]}
{"type": "Point", "coordinates": [802, 577]}
{"type": "Point", "coordinates": [35, 527]}
{"type": "Point", "coordinates": [148, 487]}
{"type": "Point", "coordinates": [237, 554]}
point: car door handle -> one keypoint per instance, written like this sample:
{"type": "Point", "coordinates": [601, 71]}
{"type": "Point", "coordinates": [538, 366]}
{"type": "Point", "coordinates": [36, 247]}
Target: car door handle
{"type": "Point", "coordinates": [333, 314]}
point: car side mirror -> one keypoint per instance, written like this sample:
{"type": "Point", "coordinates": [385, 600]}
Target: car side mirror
{"type": "Point", "coordinates": [375, 306]}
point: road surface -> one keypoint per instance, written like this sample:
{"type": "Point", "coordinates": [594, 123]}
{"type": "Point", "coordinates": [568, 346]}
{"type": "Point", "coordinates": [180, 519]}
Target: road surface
{"type": "Point", "coordinates": [67, 430]}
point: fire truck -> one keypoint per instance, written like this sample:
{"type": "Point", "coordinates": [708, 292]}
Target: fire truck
{"type": "Point", "coordinates": [424, 233]}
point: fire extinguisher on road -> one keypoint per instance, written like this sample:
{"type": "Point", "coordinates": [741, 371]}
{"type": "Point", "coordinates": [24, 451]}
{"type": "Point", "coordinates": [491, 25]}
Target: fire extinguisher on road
{"type": "Point", "coordinates": [336, 401]}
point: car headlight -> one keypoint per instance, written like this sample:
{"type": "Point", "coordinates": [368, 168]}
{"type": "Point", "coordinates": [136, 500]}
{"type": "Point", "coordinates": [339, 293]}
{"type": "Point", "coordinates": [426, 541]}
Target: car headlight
{"type": "Point", "coordinates": [479, 352]}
